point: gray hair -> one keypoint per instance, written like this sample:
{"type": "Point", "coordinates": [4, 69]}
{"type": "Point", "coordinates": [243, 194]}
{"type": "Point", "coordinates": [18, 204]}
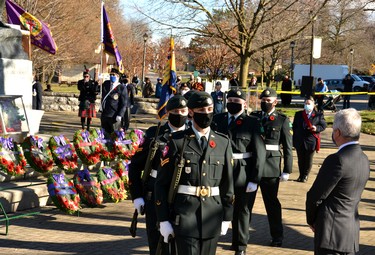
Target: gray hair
{"type": "Point", "coordinates": [349, 122]}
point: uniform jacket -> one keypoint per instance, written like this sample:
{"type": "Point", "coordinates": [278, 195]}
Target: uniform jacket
{"type": "Point", "coordinates": [116, 102]}
{"type": "Point", "coordinates": [276, 130]}
{"type": "Point", "coordinates": [302, 137]}
{"type": "Point", "coordinates": [87, 91]}
{"type": "Point", "coordinates": [218, 98]}
{"type": "Point", "coordinates": [139, 159]}
{"type": "Point", "coordinates": [332, 201]}
{"type": "Point", "coordinates": [245, 136]}
{"type": "Point", "coordinates": [198, 217]}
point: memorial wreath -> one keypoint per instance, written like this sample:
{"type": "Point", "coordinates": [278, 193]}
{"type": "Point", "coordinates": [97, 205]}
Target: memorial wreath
{"type": "Point", "coordinates": [88, 188]}
{"type": "Point", "coordinates": [63, 153]}
{"type": "Point", "coordinates": [38, 154]}
{"type": "Point", "coordinates": [88, 150]}
{"type": "Point", "coordinates": [12, 160]}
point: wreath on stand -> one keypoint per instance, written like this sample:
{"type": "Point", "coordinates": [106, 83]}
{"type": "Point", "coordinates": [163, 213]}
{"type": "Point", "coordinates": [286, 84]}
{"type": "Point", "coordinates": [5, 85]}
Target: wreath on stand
{"type": "Point", "coordinates": [122, 168]}
{"type": "Point", "coordinates": [88, 150]}
{"type": "Point", "coordinates": [126, 144]}
{"type": "Point", "coordinates": [88, 188]}
{"type": "Point", "coordinates": [112, 185]}
{"type": "Point", "coordinates": [38, 154]}
{"type": "Point", "coordinates": [63, 153]}
{"type": "Point", "coordinates": [63, 193]}
{"type": "Point", "coordinates": [12, 161]}
{"type": "Point", "coordinates": [106, 145]}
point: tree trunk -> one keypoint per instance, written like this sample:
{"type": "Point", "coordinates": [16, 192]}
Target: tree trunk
{"type": "Point", "coordinates": [244, 70]}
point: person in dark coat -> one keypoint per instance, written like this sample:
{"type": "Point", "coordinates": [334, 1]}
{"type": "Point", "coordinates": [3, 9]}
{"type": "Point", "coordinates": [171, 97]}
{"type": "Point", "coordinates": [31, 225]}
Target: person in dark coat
{"type": "Point", "coordinates": [148, 89]}
{"type": "Point", "coordinates": [87, 95]}
{"type": "Point", "coordinates": [234, 83]}
{"type": "Point", "coordinates": [348, 87]}
{"type": "Point", "coordinates": [286, 85]}
{"type": "Point", "coordinates": [332, 201]}
{"type": "Point", "coordinates": [125, 122]}
{"type": "Point", "coordinates": [277, 134]}
{"type": "Point", "coordinates": [114, 102]}
{"type": "Point", "coordinates": [202, 208]}
{"type": "Point", "coordinates": [307, 126]}
{"type": "Point", "coordinates": [143, 193]}
{"type": "Point", "coordinates": [218, 97]}
{"type": "Point", "coordinates": [249, 155]}
{"type": "Point", "coordinates": [37, 94]}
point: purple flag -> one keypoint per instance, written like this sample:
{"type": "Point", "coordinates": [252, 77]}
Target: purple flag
{"type": "Point", "coordinates": [40, 34]}
{"type": "Point", "coordinates": [108, 39]}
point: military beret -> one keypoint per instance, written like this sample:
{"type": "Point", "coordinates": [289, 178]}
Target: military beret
{"type": "Point", "coordinates": [176, 102]}
{"type": "Point", "coordinates": [114, 70]}
{"type": "Point", "coordinates": [268, 92]}
{"type": "Point", "coordinates": [218, 83]}
{"type": "Point", "coordinates": [199, 99]}
{"type": "Point", "coordinates": [188, 94]}
{"type": "Point", "coordinates": [236, 93]}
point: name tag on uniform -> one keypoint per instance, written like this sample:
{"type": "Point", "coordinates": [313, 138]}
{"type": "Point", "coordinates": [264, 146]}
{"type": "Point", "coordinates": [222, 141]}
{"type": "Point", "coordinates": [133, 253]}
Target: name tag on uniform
{"type": "Point", "coordinates": [187, 169]}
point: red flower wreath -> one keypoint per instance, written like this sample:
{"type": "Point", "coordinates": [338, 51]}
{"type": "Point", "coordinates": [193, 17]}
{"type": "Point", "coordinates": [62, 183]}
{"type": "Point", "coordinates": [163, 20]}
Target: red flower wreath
{"type": "Point", "coordinates": [38, 154]}
{"type": "Point", "coordinates": [122, 168]}
{"type": "Point", "coordinates": [63, 153]}
{"type": "Point", "coordinates": [88, 188]}
{"type": "Point", "coordinates": [126, 144]}
{"type": "Point", "coordinates": [108, 152]}
{"type": "Point", "coordinates": [112, 185]}
{"type": "Point", "coordinates": [272, 117]}
{"type": "Point", "coordinates": [12, 161]}
{"type": "Point", "coordinates": [63, 193]}
{"type": "Point", "coordinates": [88, 150]}
{"type": "Point", "coordinates": [212, 144]}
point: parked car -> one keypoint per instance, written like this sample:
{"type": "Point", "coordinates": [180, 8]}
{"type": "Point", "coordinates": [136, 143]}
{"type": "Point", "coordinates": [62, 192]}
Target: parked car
{"type": "Point", "coordinates": [369, 79]}
{"type": "Point", "coordinates": [359, 84]}
{"type": "Point", "coordinates": [334, 84]}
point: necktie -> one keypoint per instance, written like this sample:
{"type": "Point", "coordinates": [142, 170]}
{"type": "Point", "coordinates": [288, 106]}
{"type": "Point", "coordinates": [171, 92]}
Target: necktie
{"type": "Point", "coordinates": [203, 143]}
{"type": "Point", "coordinates": [232, 118]}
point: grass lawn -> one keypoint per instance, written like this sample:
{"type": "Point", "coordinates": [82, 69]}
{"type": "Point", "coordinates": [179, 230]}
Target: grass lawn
{"type": "Point", "coordinates": [63, 88]}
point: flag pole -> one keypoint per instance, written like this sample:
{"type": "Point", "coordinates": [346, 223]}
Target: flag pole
{"type": "Point", "coordinates": [101, 46]}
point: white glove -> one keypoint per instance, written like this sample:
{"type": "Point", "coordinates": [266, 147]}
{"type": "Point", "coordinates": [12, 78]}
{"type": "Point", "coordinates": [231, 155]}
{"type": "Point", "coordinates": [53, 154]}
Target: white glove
{"type": "Point", "coordinates": [131, 107]}
{"type": "Point", "coordinates": [166, 230]}
{"type": "Point", "coordinates": [118, 118]}
{"type": "Point", "coordinates": [251, 187]}
{"type": "Point", "coordinates": [139, 203]}
{"type": "Point", "coordinates": [284, 177]}
{"type": "Point", "coordinates": [224, 227]}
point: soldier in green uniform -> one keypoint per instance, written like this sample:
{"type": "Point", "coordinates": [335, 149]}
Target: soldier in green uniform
{"type": "Point", "coordinates": [249, 155]}
{"type": "Point", "coordinates": [202, 208]}
{"type": "Point", "coordinates": [142, 192]}
{"type": "Point", "coordinates": [277, 133]}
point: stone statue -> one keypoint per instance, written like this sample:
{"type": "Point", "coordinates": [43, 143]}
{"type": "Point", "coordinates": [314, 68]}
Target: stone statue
{"type": "Point", "coordinates": [10, 40]}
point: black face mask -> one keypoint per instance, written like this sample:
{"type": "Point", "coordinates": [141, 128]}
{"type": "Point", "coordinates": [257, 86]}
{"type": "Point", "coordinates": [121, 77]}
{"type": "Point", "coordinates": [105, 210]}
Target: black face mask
{"type": "Point", "coordinates": [266, 107]}
{"type": "Point", "coordinates": [234, 108]}
{"type": "Point", "coordinates": [177, 120]}
{"type": "Point", "coordinates": [203, 120]}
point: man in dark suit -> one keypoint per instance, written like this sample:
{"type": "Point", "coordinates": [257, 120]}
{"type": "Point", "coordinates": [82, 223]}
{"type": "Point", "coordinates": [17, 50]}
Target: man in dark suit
{"type": "Point", "coordinates": [114, 102]}
{"type": "Point", "coordinates": [143, 193]}
{"type": "Point", "coordinates": [218, 97]}
{"type": "Point", "coordinates": [249, 155]}
{"type": "Point", "coordinates": [348, 82]}
{"type": "Point", "coordinates": [277, 132]}
{"type": "Point", "coordinates": [307, 126]}
{"type": "Point", "coordinates": [202, 208]}
{"type": "Point", "coordinates": [332, 201]}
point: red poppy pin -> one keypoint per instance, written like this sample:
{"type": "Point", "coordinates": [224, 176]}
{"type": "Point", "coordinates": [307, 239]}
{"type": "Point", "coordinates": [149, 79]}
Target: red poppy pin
{"type": "Point", "coordinates": [313, 115]}
{"type": "Point", "coordinates": [272, 117]}
{"type": "Point", "coordinates": [165, 151]}
{"type": "Point", "coordinates": [212, 144]}
{"type": "Point", "coordinates": [239, 122]}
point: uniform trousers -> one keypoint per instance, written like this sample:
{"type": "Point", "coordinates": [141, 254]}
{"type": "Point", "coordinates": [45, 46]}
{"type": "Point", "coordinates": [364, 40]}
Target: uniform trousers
{"type": "Point", "coordinates": [126, 119]}
{"type": "Point", "coordinates": [194, 246]}
{"type": "Point", "coordinates": [241, 219]}
{"type": "Point", "coordinates": [109, 124]}
{"type": "Point", "coordinates": [269, 187]}
{"type": "Point", "coordinates": [321, 251]}
{"type": "Point", "coordinates": [305, 160]}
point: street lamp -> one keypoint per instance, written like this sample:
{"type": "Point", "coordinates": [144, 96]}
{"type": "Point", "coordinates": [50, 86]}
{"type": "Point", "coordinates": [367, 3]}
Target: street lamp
{"type": "Point", "coordinates": [312, 45]}
{"type": "Point", "coordinates": [145, 37]}
{"type": "Point", "coordinates": [187, 67]}
{"type": "Point", "coordinates": [292, 45]}
{"type": "Point", "coordinates": [351, 64]}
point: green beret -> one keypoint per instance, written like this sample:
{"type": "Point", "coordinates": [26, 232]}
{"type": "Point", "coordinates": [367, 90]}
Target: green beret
{"type": "Point", "coordinates": [268, 92]}
{"type": "Point", "coordinates": [176, 102]}
{"type": "Point", "coordinates": [236, 93]}
{"type": "Point", "coordinates": [199, 99]}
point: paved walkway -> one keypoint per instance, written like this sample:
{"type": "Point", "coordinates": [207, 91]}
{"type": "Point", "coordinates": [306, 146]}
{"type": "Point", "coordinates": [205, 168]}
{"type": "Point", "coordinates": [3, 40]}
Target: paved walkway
{"type": "Point", "coordinates": [104, 230]}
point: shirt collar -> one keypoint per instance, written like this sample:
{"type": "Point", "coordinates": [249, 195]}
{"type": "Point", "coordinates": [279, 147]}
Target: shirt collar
{"type": "Point", "coordinates": [175, 130]}
{"type": "Point", "coordinates": [346, 144]}
{"type": "Point", "coordinates": [235, 115]}
{"type": "Point", "coordinates": [198, 135]}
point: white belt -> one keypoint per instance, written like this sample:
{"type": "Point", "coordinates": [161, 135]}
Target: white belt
{"type": "Point", "coordinates": [154, 173]}
{"type": "Point", "coordinates": [200, 191]}
{"type": "Point", "coordinates": [272, 147]}
{"type": "Point", "coordinates": [241, 155]}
